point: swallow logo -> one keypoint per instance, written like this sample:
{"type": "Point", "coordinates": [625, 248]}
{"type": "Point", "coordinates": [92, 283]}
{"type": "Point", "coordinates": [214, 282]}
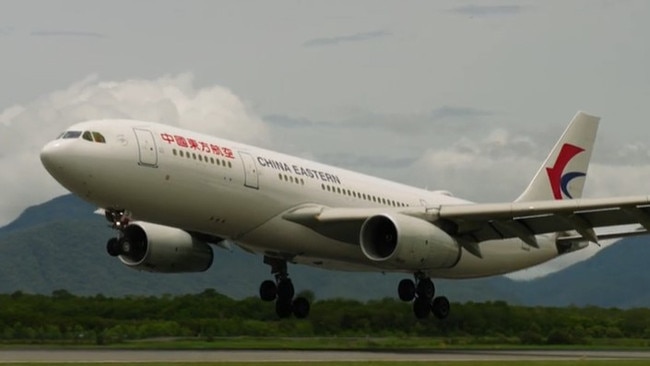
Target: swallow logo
{"type": "Point", "coordinates": [560, 180]}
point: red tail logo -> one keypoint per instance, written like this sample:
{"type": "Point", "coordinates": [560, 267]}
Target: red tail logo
{"type": "Point", "coordinates": [558, 179]}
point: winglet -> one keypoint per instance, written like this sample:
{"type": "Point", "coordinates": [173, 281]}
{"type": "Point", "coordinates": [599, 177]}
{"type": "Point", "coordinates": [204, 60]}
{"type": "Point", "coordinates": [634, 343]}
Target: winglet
{"type": "Point", "coordinates": [562, 176]}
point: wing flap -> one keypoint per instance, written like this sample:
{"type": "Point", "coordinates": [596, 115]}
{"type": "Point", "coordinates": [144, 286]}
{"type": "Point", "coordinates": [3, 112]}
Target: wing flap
{"type": "Point", "coordinates": [605, 236]}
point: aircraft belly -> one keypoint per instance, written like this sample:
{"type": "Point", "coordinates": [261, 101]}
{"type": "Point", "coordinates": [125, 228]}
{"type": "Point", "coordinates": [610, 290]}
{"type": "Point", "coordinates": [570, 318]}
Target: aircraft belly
{"type": "Point", "coordinates": [500, 257]}
{"type": "Point", "coordinates": [300, 244]}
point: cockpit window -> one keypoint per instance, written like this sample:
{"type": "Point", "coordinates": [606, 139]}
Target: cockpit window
{"type": "Point", "coordinates": [71, 134]}
{"type": "Point", "coordinates": [92, 136]}
{"type": "Point", "coordinates": [99, 137]}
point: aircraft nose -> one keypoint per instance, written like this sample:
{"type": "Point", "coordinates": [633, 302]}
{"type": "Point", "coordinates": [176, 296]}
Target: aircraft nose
{"type": "Point", "coordinates": [51, 156]}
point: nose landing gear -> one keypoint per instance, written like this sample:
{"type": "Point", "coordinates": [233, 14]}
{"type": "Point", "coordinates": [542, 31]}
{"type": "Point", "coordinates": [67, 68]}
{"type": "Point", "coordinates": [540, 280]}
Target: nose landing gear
{"type": "Point", "coordinates": [118, 220]}
{"type": "Point", "coordinates": [282, 291]}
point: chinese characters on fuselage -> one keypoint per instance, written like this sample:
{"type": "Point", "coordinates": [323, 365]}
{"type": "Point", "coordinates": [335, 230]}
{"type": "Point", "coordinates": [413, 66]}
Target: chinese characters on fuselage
{"type": "Point", "coordinates": [199, 146]}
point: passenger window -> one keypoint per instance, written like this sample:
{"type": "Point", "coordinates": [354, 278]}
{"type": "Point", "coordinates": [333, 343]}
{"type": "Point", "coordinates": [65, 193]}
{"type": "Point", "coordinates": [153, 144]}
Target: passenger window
{"type": "Point", "coordinates": [99, 137]}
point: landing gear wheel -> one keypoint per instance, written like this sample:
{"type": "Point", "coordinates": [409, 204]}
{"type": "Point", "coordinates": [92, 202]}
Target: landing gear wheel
{"type": "Point", "coordinates": [283, 308]}
{"type": "Point", "coordinates": [421, 308]}
{"type": "Point", "coordinates": [281, 290]}
{"type": "Point", "coordinates": [426, 289]}
{"type": "Point", "coordinates": [285, 290]}
{"type": "Point", "coordinates": [113, 247]}
{"type": "Point", "coordinates": [300, 307]}
{"type": "Point", "coordinates": [440, 307]}
{"type": "Point", "coordinates": [406, 290]}
{"type": "Point", "coordinates": [268, 290]}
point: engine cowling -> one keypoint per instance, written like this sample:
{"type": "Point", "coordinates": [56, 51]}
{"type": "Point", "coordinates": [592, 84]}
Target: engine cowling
{"type": "Point", "coordinates": [396, 241]}
{"type": "Point", "coordinates": [156, 248]}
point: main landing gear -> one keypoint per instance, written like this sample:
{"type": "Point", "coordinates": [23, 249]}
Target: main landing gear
{"type": "Point", "coordinates": [422, 293]}
{"type": "Point", "coordinates": [281, 290]}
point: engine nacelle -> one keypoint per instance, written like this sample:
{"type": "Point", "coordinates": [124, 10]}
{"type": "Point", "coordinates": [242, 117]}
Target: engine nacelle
{"type": "Point", "coordinates": [156, 248]}
{"type": "Point", "coordinates": [396, 241]}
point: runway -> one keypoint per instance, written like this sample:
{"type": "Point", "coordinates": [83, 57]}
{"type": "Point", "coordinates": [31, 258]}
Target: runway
{"type": "Point", "coordinates": [130, 356]}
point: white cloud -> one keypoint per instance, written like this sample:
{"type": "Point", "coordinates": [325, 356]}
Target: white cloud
{"type": "Point", "coordinates": [174, 100]}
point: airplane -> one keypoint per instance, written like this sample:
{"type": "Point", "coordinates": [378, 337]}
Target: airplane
{"type": "Point", "coordinates": [173, 194]}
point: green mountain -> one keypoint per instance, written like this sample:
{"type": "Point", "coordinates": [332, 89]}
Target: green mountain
{"type": "Point", "coordinates": [618, 276]}
{"type": "Point", "coordinates": [61, 245]}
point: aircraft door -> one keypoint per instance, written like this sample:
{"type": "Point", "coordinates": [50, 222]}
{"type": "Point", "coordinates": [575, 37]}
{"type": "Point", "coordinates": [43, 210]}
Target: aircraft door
{"type": "Point", "coordinates": [148, 155]}
{"type": "Point", "coordinates": [251, 178]}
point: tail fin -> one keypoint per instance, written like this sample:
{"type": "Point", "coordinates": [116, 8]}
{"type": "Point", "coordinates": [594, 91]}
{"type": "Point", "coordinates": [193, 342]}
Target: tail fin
{"type": "Point", "coordinates": [562, 176]}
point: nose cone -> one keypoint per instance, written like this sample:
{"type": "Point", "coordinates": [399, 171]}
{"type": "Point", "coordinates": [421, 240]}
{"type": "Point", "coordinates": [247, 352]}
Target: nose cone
{"type": "Point", "coordinates": [65, 162]}
{"type": "Point", "coordinates": [50, 156]}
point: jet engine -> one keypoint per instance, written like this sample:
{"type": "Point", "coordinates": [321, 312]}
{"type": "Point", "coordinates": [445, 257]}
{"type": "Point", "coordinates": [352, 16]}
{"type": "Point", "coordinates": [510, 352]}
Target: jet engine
{"type": "Point", "coordinates": [396, 241]}
{"type": "Point", "coordinates": [156, 248]}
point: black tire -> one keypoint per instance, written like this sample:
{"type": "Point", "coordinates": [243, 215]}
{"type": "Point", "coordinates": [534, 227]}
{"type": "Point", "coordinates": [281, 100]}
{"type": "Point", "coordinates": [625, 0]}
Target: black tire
{"type": "Point", "coordinates": [283, 308]}
{"type": "Point", "coordinates": [440, 307]}
{"type": "Point", "coordinates": [301, 307]}
{"type": "Point", "coordinates": [268, 290]}
{"type": "Point", "coordinates": [285, 290]}
{"type": "Point", "coordinates": [421, 308]}
{"type": "Point", "coordinates": [113, 247]}
{"type": "Point", "coordinates": [406, 290]}
{"type": "Point", "coordinates": [426, 289]}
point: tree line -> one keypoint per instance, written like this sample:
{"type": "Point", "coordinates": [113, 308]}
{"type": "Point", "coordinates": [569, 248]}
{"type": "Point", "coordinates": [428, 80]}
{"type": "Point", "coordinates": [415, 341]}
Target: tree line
{"type": "Point", "coordinates": [64, 317]}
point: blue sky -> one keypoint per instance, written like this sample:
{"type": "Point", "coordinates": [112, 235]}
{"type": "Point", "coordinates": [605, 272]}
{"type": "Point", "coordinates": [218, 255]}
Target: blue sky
{"type": "Point", "coordinates": [466, 96]}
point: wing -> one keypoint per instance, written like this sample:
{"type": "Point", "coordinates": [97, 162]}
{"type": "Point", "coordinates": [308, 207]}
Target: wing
{"type": "Point", "coordinates": [481, 222]}
{"type": "Point", "coordinates": [474, 223]}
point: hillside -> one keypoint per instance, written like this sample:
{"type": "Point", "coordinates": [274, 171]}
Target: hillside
{"type": "Point", "coordinates": [61, 245]}
{"type": "Point", "coordinates": [618, 276]}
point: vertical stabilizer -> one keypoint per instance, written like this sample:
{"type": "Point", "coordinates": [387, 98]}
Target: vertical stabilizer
{"type": "Point", "coordinates": [562, 176]}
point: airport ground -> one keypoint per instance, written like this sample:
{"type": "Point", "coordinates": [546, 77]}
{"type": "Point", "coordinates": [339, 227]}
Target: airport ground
{"type": "Point", "coordinates": [324, 358]}
{"type": "Point", "coordinates": [292, 351]}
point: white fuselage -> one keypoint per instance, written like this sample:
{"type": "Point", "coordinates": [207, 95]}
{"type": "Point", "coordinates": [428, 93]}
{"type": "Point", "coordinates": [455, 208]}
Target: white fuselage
{"type": "Point", "coordinates": [178, 178]}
